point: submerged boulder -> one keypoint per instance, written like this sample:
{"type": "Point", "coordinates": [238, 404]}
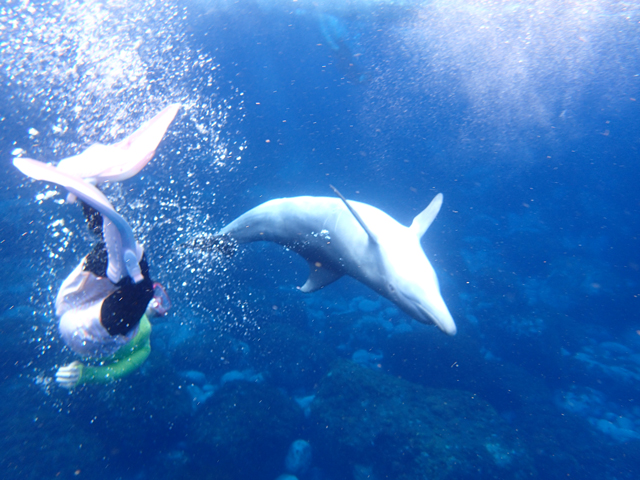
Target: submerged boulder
{"type": "Point", "coordinates": [405, 431]}
{"type": "Point", "coordinates": [298, 457]}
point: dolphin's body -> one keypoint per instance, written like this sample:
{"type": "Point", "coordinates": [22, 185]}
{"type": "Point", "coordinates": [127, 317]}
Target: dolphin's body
{"type": "Point", "coordinates": [339, 237]}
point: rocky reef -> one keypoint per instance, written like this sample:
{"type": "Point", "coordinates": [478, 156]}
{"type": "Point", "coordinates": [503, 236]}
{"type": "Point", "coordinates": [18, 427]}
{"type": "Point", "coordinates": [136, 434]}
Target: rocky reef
{"type": "Point", "coordinates": [243, 431]}
{"type": "Point", "coordinates": [367, 421]}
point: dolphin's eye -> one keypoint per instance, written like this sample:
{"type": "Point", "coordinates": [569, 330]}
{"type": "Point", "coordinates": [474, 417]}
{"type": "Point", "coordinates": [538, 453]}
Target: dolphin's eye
{"type": "Point", "coordinates": [391, 288]}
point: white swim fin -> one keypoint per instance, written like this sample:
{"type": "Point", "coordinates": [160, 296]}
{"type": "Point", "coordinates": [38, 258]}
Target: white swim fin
{"type": "Point", "coordinates": [123, 250]}
{"type": "Point", "coordinates": [120, 161]}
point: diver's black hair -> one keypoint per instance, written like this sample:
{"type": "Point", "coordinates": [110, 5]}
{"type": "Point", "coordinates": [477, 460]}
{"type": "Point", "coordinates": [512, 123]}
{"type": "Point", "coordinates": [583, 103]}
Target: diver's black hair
{"type": "Point", "coordinates": [122, 310]}
{"type": "Point", "coordinates": [93, 218]}
{"type": "Point", "coordinates": [97, 260]}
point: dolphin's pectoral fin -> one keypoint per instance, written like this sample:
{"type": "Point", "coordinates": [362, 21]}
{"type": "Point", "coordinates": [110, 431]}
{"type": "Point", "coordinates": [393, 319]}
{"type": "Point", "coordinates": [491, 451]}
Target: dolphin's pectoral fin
{"type": "Point", "coordinates": [372, 237]}
{"type": "Point", "coordinates": [422, 222]}
{"type": "Point", "coordinates": [319, 277]}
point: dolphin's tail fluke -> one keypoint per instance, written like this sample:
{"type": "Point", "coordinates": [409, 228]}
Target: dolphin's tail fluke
{"type": "Point", "coordinates": [123, 250]}
{"type": "Point", "coordinates": [120, 161]}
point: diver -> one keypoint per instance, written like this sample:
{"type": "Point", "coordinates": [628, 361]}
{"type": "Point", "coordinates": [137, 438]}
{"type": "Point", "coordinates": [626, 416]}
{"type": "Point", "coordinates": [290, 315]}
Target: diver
{"type": "Point", "coordinates": [101, 319]}
{"type": "Point", "coordinates": [105, 304]}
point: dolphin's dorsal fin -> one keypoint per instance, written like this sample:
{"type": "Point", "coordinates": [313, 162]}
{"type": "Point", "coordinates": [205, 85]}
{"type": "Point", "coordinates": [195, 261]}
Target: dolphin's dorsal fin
{"type": "Point", "coordinates": [372, 237]}
{"type": "Point", "coordinates": [319, 277]}
{"type": "Point", "coordinates": [422, 222]}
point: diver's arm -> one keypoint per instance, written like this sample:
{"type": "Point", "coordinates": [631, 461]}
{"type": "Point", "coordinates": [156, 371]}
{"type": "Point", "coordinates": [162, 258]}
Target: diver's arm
{"type": "Point", "coordinates": [121, 364]}
{"type": "Point", "coordinates": [115, 371]}
{"type": "Point", "coordinates": [74, 374]}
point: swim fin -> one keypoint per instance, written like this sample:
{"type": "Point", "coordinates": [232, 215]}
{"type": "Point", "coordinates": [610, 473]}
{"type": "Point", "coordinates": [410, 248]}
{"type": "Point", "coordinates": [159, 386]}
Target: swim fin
{"type": "Point", "coordinates": [124, 252]}
{"type": "Point", "coordinates": [111, 163]}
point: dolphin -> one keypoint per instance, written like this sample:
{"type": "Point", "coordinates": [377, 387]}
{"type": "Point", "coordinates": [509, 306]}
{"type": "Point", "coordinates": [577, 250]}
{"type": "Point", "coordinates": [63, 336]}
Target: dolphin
{"type": "Point", "coordinates": [342, 237]}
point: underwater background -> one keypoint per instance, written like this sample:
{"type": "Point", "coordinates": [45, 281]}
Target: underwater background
{"type": "Point", "coordinates": [525, 115]}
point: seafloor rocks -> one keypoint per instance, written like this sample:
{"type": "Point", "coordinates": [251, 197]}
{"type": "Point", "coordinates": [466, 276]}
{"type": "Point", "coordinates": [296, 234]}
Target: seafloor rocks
{"type": "Point", "coordinates": [611, 362]}
{"type": "Point", "coordinates": [291, 357]}
{"type": "Point", "coordinates": [244, 431]}
{"type": "Point", "coordinates": [38, 441]}
{"type": "Point", "coordinates": [367, 419]}
{"type": "Point", "coordinates": [193, 345]}
{"type": "Point", "coordinates": [618, 421]}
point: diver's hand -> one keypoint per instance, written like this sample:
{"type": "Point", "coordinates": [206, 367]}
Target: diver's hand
{"type": "Point", "coordinates": [69, 375]}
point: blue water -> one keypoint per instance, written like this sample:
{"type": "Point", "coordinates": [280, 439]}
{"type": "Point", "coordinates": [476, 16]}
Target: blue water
{"type": "Point", "coordinates": [525, 115]}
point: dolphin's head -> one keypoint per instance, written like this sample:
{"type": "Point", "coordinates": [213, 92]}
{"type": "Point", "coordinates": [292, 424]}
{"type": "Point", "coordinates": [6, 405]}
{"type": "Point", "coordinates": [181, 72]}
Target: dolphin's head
{"type": "Point", "coordinates": [412, 284]}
